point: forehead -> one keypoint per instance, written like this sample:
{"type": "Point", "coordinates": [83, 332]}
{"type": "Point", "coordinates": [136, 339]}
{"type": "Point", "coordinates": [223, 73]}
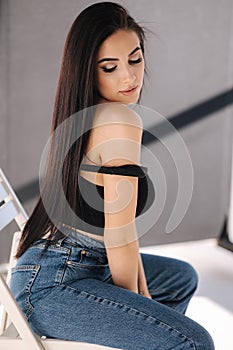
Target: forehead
{"type": "Point", "coordinates": [121, 42]}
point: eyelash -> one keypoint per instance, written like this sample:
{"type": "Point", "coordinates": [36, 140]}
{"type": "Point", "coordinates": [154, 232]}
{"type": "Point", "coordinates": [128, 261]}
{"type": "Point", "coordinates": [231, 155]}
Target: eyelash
{"type": "Point", "coordinates": [109, 70]}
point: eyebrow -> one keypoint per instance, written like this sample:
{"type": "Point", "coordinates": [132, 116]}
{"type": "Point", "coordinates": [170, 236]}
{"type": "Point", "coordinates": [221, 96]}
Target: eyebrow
{"type": "Point", "coordinates": [117, 59]}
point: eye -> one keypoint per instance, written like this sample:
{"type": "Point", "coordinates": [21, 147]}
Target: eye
{"type": "Point", "coordinates": [135, 61]}
{"type": "Point", "coordinates": [108, 70]}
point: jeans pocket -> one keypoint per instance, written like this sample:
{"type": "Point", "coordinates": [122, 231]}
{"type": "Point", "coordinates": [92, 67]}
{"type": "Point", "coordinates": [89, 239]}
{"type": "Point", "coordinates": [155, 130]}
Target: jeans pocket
{"type": "Point", "coordinates": [22, 280]}
{"type": "Point", "coordinates": [86, 263]}
{"type": "Point", "coordinates": [91, 258]}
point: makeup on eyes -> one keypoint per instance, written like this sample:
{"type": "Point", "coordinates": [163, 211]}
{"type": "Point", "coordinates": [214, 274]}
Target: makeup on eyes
{"type": "Point", "coordinates": [110, 69]}
{"type": "Point", "coordinates": [117, 59]}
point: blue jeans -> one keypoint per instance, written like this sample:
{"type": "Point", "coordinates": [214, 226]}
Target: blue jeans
{"type": "Point", "coordinates": [67, 292]}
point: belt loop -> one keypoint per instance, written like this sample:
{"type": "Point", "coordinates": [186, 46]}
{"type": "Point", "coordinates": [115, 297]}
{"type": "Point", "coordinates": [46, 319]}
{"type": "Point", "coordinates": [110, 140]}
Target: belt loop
{"type": "Point", "coordinates": [59, 238]}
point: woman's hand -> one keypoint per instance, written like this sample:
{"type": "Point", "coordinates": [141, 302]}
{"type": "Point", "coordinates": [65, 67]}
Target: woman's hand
{"type": "Point", "coordinates": [145, 294]}
{"type": "Point", "coordinates": [142, 285]}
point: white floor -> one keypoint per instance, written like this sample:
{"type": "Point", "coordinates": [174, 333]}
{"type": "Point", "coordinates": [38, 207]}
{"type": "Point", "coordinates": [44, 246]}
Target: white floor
{"type": "Point", "coordinates": [212, 306]}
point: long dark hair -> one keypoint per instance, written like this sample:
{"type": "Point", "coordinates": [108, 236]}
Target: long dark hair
{"type": "Point", "coordinates": [75, 92]}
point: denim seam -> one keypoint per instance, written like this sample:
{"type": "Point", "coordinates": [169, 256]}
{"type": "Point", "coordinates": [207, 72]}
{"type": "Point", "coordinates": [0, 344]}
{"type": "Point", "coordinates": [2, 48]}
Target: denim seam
{"type": "Point", "coordinates": [171, 292]}
{"type": "Point", "coordinates": [83, 265]}
{"type": "Point", "coordinates": [157, 321]}
{"type": "Point", "coordinates": [60, 274]}
{"type": "Point", "coordinates": [28, 287]}
{"type": "Point", "coordinates": [51, 247]}
{"type": "Point", "coordinates": [24, 268]}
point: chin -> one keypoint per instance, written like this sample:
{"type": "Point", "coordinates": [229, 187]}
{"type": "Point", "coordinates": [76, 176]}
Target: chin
{"type": "Point", "coordinates": [133, 101]}
{"type": "Point", "coordinates": [130, 100]}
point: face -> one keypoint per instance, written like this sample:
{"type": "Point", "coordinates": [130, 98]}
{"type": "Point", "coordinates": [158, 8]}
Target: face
{"type": "Point", "coordinates": [120, 68]}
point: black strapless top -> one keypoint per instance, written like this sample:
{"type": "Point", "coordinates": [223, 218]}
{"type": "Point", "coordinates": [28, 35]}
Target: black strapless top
{"type": "Point", "coordinates": [91, 208]}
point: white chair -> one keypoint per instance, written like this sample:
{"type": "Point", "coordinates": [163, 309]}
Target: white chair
{"type": "Point", "coordinates": [15, 331]}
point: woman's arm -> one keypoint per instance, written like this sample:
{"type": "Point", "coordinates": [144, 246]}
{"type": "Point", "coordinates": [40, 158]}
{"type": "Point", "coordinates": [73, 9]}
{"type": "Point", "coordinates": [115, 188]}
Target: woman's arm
{"type": "Point", "coordinates": [123, 263]}
{"type": "Point", "coordinates": [120, 235]}
{"type": "Point", "coordinates": [119, 141]}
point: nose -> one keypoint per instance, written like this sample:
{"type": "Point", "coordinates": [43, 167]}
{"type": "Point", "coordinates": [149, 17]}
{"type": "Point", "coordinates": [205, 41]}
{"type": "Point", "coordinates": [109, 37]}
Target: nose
{"type": "Point", "coordinates": [128, 75]}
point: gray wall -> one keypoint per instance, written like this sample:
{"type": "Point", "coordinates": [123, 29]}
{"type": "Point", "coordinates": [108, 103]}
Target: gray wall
{"type": "Point", "coordinates": [190, 59]}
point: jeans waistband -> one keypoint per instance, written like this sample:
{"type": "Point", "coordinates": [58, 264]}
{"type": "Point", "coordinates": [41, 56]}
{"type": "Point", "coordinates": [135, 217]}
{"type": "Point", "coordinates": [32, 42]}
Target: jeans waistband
{"type": "Point", "coordinates": [73, 236]}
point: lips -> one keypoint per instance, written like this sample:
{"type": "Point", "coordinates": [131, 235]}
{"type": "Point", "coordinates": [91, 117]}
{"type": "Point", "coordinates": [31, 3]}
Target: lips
{"type": "Point", "coordinates": [129, 91]}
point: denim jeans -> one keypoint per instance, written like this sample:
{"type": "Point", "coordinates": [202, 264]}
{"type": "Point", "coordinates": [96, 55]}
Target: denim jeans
{"type": "Point", "coordinates": [67, 292]}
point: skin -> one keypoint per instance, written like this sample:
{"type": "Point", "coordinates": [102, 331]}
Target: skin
{"type": "Point", "coordinates": [120, 73]}
{"type": "Point", "coordinates": [125, 72]}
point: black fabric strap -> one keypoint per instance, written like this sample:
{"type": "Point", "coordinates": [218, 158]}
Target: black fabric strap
{"type": "Point", "coordinates": [126, 169]}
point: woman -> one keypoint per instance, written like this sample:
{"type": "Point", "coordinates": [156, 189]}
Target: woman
{"type": "Point", "coordinates": [79, 274]}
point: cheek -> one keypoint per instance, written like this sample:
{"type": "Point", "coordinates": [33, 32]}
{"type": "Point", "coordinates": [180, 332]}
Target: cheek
{"type": "Point", "coordinates": [141, 71]}
{"type": "Point", "coordinates": [106, 83]}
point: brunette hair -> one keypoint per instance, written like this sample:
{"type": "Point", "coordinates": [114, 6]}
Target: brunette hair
{"type": "Point", "coordinates": [75, 92]}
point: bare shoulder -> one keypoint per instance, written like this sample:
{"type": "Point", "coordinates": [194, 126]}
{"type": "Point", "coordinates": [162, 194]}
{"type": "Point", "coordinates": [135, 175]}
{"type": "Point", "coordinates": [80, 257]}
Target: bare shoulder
{"type": "Point", "coordinates": [118, 134]}
{"type": "Point", "coordinates": [108, 114]}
